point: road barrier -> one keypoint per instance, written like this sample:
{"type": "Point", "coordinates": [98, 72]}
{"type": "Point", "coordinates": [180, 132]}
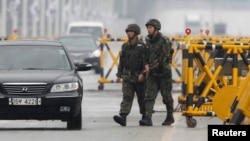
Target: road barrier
{"type": "Point", "coordinates": [115, 61]}
{"type": "Point", "coordinates": [219, 86]}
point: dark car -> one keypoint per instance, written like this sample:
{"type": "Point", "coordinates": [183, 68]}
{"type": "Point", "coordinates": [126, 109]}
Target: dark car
{"type": "Point", "coordinates": [94, 59]}
{"type": "Point", "coordinates": [39, 81]}
{"type": "Point", "coordinates": [82, 48]}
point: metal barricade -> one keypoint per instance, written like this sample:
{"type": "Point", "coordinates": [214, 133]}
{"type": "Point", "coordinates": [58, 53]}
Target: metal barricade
{"type": "Point", "coordinates": [115, 61]}
{"type": "Point", "coordinates": [213, 80]}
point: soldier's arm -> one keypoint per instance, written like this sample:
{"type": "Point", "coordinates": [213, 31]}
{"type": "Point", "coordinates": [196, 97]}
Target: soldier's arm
{"type": "Point", "coordinates": [121, 62]}
{"type": "Point", "coordinates": [167, 50]}
{"type": "Point", "coordinates": [145, 60]}
{"type": "Point", "coordinates": [156, 58]}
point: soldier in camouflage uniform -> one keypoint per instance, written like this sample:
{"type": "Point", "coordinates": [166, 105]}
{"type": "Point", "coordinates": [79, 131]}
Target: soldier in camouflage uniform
{"type": "Point", "coordinates": [130, 70]}
{"type": "Point", "coordinates": [158, 70]}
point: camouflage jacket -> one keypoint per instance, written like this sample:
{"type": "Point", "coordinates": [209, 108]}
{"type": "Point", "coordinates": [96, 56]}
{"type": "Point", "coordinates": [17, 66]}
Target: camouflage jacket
{"type": "Point", "coordinates": [158, 52]}
{"type": "Point", "coordinates": [131, 61]}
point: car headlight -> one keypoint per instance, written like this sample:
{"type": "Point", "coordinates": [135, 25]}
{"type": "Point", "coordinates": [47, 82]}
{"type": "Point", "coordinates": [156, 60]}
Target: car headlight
{"type": "Point", "coordinates": [95, 53]}
{"type": "Point", "coordinates": [64, 87]}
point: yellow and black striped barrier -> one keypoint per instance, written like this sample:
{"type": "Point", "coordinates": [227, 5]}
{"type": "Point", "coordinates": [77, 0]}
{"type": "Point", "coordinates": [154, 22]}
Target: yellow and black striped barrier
{"type": "Point", "coordinates": [215, 79]}
{"type": "Point", "coordinates": [115, 61]}
{"type": "Point", "coordinates": [210, 78]}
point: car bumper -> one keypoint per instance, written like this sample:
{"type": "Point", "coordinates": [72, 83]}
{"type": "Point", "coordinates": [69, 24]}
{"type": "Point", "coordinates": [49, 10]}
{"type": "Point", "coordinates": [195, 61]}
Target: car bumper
{"type": "Point", "coordinates": [54, 107]}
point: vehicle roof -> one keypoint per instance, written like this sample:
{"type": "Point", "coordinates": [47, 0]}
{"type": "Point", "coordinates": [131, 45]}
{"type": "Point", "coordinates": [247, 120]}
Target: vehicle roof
{"type": "Point", "coordinates": [86, 23]}
{"type": "Point", "coordinates": [76, 35]}
{"type": "Point", "coordinates": [30, 42]}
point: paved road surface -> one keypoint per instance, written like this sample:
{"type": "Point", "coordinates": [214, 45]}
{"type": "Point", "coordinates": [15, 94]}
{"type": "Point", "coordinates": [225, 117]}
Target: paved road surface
{"type": "Point", "coordinates": [176, 132]}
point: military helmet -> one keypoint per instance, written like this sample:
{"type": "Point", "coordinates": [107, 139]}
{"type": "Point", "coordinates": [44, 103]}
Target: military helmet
{"type": "Point", "coordinates": [154, 22]}
{"type": "Point", "coordinates": [133, 27]}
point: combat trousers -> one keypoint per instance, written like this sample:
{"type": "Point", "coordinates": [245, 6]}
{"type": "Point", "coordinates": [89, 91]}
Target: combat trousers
{"type": "Point", "coordinates": [129, 90]}
{"type": "Point", "coordinates": [154, 85]}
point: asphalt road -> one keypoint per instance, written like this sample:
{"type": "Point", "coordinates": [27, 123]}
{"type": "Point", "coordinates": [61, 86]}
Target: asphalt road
{"type": "Point", "coordinates": [98, 110]}
{"type": "Point", "coordinates": [111, 95]}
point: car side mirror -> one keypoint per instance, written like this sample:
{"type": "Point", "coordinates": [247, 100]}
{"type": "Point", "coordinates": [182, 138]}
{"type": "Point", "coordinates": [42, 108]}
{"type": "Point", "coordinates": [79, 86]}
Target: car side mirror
{"type": "Point", "coordinates": [83, 67]}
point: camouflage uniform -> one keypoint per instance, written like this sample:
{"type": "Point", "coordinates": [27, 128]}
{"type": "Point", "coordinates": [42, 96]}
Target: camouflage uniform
{"type": "Point", "coordinates": [130, 66]}
{"type": "Point", "coordinates": [159, 78]}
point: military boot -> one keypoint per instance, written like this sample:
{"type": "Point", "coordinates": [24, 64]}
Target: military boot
{"type": "Point", "coordinates": [169, 120]}
{"type": "Point", "coordinates": [147, 121]}
{"type": "Point", "coordinates": [143, 116]}
{"type": "Point", "coordinates": [122, 119]}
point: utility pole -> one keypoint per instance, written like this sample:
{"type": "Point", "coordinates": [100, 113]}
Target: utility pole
{"type": "Point", "coordinates": [24, 18]}
{"type": "Point", "coordinates": [4, 18]}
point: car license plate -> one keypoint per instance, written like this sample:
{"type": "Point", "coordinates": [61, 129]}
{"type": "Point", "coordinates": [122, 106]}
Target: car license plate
{"type": "Point", "coordinates": [24, 101]}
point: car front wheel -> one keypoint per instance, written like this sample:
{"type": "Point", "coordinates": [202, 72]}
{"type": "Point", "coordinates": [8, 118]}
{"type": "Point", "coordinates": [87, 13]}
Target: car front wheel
{"type": "Point", "coordinates": [75, 123]}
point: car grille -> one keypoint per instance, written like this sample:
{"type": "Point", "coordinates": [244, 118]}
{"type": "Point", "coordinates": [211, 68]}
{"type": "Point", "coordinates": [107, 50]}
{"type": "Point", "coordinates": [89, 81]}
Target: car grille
{"type": "Point", "coordinates": [24, 88]}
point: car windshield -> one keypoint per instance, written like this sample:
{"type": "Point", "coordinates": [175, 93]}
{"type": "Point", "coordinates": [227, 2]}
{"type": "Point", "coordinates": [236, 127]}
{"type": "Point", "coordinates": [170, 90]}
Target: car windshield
{"type": "Point", "coordinates": [33, 58]}
{"type": "Point", "coordinates": [79, 41]}
{"type": "Point", "coordinates": [93, 30]}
